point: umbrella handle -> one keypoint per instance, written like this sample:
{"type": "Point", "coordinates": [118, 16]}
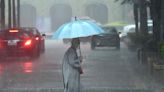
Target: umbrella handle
{"type": "Point", "coordinates": [80, 52]}
{"type": "Point", "coordinates": [75, 18]}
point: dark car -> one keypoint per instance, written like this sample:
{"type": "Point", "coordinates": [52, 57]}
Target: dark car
{"type": "Point", "coordinates": [18, 42]}
{"type": "Point", "coordinates": [40, 38]}
{"type": "Point", "coordinates": [109, 38]}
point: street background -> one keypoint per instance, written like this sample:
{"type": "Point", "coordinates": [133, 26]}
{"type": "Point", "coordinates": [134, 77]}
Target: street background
{"type": "Point", "coordinates": [105, 68]}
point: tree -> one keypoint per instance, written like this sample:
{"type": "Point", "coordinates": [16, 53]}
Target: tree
{"type": "Point", "coordinates": [162, 20]}
{"type": "Point", "coordinates": [155, 8]}
{"type": "Point", "coordinates": [9, 14]}
{"type": "Point", "coordinates": [139, 7]}
{"type": "Point", "coordinates": [14, 13]}
{"type": "Point", "coordinates": [18, 13]}
{"type": "Point", "coordinates": [135, 10]}
{"type": "Point", "coordinates": [143, 17]}
{"type": "Point", "coordinates": [2, 12]}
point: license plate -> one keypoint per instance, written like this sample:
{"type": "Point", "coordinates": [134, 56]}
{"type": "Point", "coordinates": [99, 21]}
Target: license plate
{"type": "Point", "coordinates": [12, 42]}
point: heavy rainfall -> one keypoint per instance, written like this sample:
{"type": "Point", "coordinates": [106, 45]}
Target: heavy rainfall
{"type": "Point", "coordinates": [125, 55]}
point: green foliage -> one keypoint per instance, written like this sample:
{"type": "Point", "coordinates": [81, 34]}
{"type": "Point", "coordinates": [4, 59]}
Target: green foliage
{"type": "Point", "coordinates": [161, 49]}
{"type": "Point", "coordinates": [116, 24]}
{"type": "Point", "coordinates": [125, 1]}
{"type": "Point", "coordinates": [139, 39]}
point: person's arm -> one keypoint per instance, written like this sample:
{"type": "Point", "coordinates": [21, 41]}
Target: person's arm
{"type": "Point", "coordinates": [73, 60]}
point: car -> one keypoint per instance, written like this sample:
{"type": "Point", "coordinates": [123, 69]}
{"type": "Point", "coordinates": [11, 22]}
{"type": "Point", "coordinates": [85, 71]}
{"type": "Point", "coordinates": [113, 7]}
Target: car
{"type": "Point", "coordinates": [109, 38]}
{"type": "Point", "coordinates": [40, 38]}
{"type": "Point", "coordinates": [18, 42]}
{"type": "Point", "coordinates": [127, 29]}
{"type": "Point", "coordinates": [131, 29]}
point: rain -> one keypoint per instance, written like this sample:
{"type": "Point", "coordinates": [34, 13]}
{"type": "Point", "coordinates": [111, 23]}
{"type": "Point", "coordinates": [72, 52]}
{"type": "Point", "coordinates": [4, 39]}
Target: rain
{"type": "Point", "coordinates": [121, 44]}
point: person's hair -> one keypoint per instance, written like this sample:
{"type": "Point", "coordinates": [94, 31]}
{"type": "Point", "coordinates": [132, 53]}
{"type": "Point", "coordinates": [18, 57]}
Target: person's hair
{"type": "Point", "coordinates": [75, 40]}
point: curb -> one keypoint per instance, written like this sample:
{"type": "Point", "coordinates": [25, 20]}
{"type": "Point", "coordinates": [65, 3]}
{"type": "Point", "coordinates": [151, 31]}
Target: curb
{"type": "Point", "coordinates": [84, 90]}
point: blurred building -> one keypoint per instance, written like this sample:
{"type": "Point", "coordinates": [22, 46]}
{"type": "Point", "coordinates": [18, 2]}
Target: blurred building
{"type": "Point", "coordinates": [48, 15]}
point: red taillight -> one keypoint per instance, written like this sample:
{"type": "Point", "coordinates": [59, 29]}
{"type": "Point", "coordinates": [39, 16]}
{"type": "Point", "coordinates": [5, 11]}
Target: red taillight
{"type": "Point", "coordinates": [28, 43]}
{"type": "Point", "coordinates": [28, 67]}
{"type": "Point", "coordinates": [37, 38]}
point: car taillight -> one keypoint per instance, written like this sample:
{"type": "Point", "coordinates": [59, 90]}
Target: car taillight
{"type": "Point", "coordinates": [28, 43]}
{"type": "Point", "coordinates": [37, 38]}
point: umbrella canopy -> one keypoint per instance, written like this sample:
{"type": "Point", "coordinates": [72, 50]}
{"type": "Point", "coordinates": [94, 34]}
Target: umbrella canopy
{"type": "Point", "coordinates": [77, 28]}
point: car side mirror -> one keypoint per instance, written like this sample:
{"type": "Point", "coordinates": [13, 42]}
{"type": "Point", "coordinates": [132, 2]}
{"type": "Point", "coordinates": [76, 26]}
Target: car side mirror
{"type": "Point", "coordinates": [43, 34]}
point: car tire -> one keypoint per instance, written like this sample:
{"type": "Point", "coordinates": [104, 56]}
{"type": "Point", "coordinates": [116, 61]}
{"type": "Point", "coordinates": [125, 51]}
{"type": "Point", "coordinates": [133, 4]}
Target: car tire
{"type": "Point", "coordinates": [3, 56]}
{"type": "Point", "coordinates": [38, 52]}
{"type": "Point", "coordinates": [42, 49]}
{"type": "Point", "coordinates": [118, 46]}
{"type": "Point", "coordinates": [35, 53]}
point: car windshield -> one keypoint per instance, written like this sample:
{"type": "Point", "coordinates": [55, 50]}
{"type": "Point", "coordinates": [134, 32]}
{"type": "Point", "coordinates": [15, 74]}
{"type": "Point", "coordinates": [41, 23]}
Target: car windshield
{"type": "Point", "coordinates": [109, 30]}
{"type": "Point", "coordinates": [9, 34]}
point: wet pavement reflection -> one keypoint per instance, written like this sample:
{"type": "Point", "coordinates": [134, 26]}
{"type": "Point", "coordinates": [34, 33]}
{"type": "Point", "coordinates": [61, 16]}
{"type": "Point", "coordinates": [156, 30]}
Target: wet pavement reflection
{"type": "Point", "coordinates": [28, 67]}
{"type": "Point", "coordinates": [16, 65]}
{"type": "Point", "coordinates": [27, 73]}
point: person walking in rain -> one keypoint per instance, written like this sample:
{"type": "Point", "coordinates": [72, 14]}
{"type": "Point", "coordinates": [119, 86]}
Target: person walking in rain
{"type": "Point", "coordinates": [71, 68]}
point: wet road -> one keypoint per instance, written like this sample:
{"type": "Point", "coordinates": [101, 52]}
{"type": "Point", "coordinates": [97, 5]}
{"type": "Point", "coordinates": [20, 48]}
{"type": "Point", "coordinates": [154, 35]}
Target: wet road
{"type": "Point", "coordinates": [103, 68]}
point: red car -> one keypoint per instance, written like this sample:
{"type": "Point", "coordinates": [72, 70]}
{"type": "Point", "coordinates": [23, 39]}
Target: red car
{"type": "Point", "coordinates": [40, 38]}
{"type": "Point", "coordinates": [18, 42]}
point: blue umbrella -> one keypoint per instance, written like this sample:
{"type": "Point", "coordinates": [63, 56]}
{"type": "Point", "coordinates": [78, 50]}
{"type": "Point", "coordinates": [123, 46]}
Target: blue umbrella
{"type": "Point", "coordinates": [77, 28]}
